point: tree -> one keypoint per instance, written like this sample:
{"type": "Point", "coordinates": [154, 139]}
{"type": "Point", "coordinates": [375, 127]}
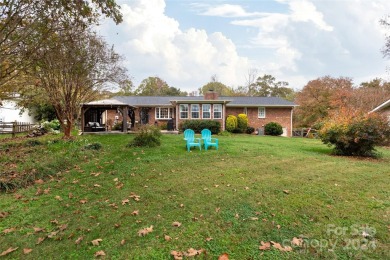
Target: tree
{"type": "Point", "coordinates": [385, 22]}
{"type": "Point", "coordinates": [71, 68]}
{"type": "Point", "coordinates": [25, 25]}
{"type": "Point", "coordinates": [370, 94]}
{"type": "Point", "coordinates": [216, 86]}
{"type": "Point", "coordinates": [125, 88]}
{"type": "Point", "coordinates": [155, 86]}
{"type": "Point", "coordinates": [266, 86]}
{"type": "Point", "coordinates": [319, 97]}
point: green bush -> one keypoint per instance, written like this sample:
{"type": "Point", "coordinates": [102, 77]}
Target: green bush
{"type": "Point", "coordinates": [355, 135]}
{"type": "Point", "coordinates": [273, 128]}
{"type": "Point", "coordinates": [199, 125]}
{"type": "Point", "coordinates": [148, 136]}
{"type": "Point", "coordinates": [225, 133]}
{"type": "Point", "coordinates": [250, 130]}
{"type": "Point", "coordinates": [231, 123]}
{"type": "Point", "coordinates": [51, 126]}
{"type": "Point", "coordinates": [242, 122]}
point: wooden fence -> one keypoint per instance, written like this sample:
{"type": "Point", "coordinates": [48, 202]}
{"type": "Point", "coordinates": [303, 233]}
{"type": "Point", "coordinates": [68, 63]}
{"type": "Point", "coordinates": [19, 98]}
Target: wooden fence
{"type": "Point", "coordinates": [16, 127]}
{"type": "Point", "coordinates": [305, 132]}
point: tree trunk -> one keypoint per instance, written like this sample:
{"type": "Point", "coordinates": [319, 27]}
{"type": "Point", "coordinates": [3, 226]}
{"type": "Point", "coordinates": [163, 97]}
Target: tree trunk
{"type": "Point", "coordinates": [67, 130]}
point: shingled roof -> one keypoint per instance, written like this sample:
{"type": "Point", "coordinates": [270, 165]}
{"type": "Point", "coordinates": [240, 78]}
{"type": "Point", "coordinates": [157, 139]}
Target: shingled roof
{"type": "Point", "coordinates": [139, 101]}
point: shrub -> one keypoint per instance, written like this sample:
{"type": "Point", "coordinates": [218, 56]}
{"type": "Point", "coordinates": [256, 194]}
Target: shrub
{"type": "Point", "coordinates": [117, 126]}
{"type": "Point", "coordinates": [51, 126]}
{"type": "Point", "coordinates": [353, 134]}
{"type": "Point", "coordinates": [250, 130]}
{"type": "Point", "coordinates": [273, 128]}
{"type": "Point", "coordinates": [148, 136]}
{"type": "Point", "coordinates": [231, 123]}
{"type": "Point", "coordinates": [199, 125]}
{"type": "Point", "coordinates": [242, 122]}
{"type": "Point", "coordinates": [225, 133]}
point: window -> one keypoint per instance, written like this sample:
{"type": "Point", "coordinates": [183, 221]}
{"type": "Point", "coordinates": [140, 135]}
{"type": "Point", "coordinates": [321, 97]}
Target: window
{"type": "Point", "coordinates": [261, 112]}
{"type": "Point", "coordinates": [206, 111]}
{"type": "Point", "coordinates": [184, 111]}
{"type": "Point", "coordinates": [195, 111]}
{"type": "Point", "coordinates": [163, 113]}
{"type": "Point", "coordinates": [217, 111]}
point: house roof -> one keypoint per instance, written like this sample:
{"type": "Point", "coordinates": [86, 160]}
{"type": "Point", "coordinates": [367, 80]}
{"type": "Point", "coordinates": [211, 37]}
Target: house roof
{"type": "Point", "coordinates": [153, 101]}
{"type": "Point", "coordinates": [382, 106]}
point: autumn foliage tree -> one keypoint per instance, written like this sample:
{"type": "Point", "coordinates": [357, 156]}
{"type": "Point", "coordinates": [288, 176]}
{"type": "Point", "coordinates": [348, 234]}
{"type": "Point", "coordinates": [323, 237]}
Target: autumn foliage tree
{"type": "Point", "coordinates": [319, 97]}
{"type": "Point", "coordinates": [354, 133]}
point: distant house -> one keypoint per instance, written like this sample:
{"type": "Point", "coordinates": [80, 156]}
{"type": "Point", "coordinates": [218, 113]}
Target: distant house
{"type": "Point", "coordinates": [10, 112]}
{"type": "Point", "coordinates": [163, 109]}
{"type": "Point", "coordinates": [383, 109]}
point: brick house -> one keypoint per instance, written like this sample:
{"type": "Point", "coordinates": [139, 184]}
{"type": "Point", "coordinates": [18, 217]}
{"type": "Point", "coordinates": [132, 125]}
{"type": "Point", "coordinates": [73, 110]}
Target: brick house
{"type": "Point", "coordinates": [158, 110]}
{"type": "Point", "coordinates": [383, 109]}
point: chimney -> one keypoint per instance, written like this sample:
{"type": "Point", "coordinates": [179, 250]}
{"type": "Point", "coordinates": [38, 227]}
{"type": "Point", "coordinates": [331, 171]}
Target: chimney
{"type": "Point", "coordinates": [211, 95]}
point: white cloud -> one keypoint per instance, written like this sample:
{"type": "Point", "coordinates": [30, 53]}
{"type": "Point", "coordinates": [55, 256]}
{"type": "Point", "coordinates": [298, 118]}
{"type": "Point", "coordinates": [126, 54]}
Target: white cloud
{"type": "Point", "coordinates": [155, 46]}
{"type": "Point", "coordinates": [298, 42]}
{"type": "Point", "coordinates": [224, 10]}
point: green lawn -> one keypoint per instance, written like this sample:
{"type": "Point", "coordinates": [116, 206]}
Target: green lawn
{"type": "Point", "coordinates": [252, 189]}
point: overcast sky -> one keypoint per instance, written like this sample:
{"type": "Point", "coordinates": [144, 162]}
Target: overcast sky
{"type": "Point", "coordinates": [186, 42]}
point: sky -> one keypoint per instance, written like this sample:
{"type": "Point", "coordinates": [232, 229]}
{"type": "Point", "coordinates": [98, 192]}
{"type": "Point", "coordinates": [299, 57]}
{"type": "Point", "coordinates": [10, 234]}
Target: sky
{"type": "Point", "coordinates": [187, 42]}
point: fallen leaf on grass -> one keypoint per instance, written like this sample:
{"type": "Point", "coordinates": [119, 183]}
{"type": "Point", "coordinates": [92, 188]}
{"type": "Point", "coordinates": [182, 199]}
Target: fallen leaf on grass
{"type": "Point", "coordinates": [123, 242]}
{"type": "Point", "coordinates": [39, 192]}
{"type": "Point", "coordinates": [286, 191]}
{"type": "Point", "coordinates": [37, 229]}
{"type": "Point", "coordinates": [96, 241]}
{"type": "Point", "coordinates": [135, 213]}
{"type": "Point", "coordinates": [3, 214]}
{"type": "Point", "coordinates": [46, 191]}
{"type": "Point", "coordinates": [167, 238]}
{"type": "Point", "coordinates": [83, 201]}
{"type": "Point", "coordinates": [53, 234]}
{"type": "Point", "coordinates": [63, 227]}
{"type": "Point", "coordinates": [145, 231]}
{"type": "Point", "coordinates": [8, 230]}
{"type": "Point", "coordinates": [54, 221]}
{"type": "Point", "coordinates": [119, 186]}
{"type": "Point", "coordinates": [223, 257]}
{"type": "Point", "coordinates": [58, 197]}
{"type": "Point", "coordinates": [135, 196]}
{"type": "Point", "coordinates": [177, 255]}
{"type": "Point", "coordinates": [217, 209]}
{"type": "Point", "coordinates": [297, 242]}
{"type": "Point", "coordinates": [27, 251]}
{"type": "Point", "coordinates": [125, 201]}
{"type": "Point", "coordinates": [18, 196]}
{"type": "Point", "coordinates": [100, 253]}
{"type": "Point", "coordinates": [9, 250]}
{"type": "Point", "coordinates": [39, 181]}
{"type": "Point", "coordinates": [265, 245]}
{"type": "Point", "coordinates": [278, 226]}
{"type": "Point", "coordinates": [176, 224]}
{"type": "Point", "coordinates": [40, 240]}
{"type": "Point", "coordinates": [78, 240]}
{"type": "Point", "coordinates": [96, 185]}
{"type": "Point", "coordinates": [209, 239]}
{"type": "Point", "coordinates": [193, 252]}
{"type": "Point", "coordinates": [254, 218]}
{"type": "Point", "coordinates": [280, 247]}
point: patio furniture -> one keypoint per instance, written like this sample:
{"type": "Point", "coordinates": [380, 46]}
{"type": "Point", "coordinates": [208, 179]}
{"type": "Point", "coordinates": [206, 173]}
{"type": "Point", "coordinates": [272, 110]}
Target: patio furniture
{"type": "Point", "coordinates": [191, 141]}
{"type": "Point", "coordinates": [208, 140]}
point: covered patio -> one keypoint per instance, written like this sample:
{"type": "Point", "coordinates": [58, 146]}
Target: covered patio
{"type": "Point", "coordinates": [94, 116]}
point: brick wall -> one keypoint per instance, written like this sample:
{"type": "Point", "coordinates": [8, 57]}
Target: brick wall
{"type": "Point", "coordinates": [279, 115]}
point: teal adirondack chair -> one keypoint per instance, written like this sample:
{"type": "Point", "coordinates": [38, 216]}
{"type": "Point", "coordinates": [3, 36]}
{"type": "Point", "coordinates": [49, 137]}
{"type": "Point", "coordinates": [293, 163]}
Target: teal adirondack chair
{"type": "Point", "coordinates": [191, 141]}
{"type": "Point", "coordinates": [208, 140]}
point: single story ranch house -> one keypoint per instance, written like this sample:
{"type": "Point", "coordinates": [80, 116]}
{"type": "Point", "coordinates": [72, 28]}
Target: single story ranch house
{"type": "Point", "coordinates": [173, 110]}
